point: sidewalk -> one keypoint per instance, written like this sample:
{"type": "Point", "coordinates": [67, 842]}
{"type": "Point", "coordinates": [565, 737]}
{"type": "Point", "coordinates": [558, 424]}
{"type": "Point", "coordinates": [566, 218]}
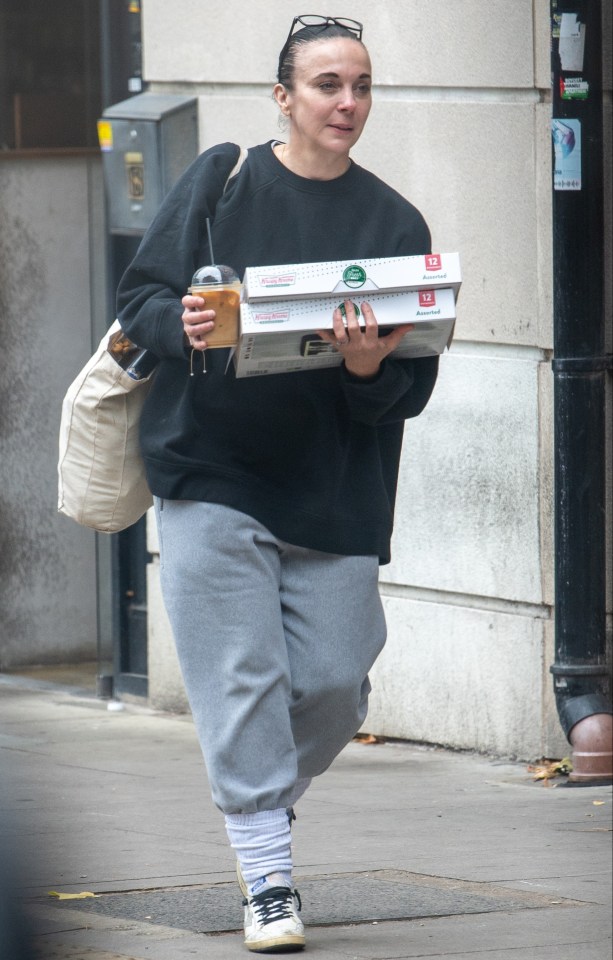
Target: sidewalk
{"type": "Point", "coordinates": [400, 851]}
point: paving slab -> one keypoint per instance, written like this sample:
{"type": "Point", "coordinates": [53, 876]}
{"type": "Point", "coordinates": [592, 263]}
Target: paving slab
{"type": "Point", "coordinates": [401, 851]}
{"type": "Point", "coordinates": [347, 898]}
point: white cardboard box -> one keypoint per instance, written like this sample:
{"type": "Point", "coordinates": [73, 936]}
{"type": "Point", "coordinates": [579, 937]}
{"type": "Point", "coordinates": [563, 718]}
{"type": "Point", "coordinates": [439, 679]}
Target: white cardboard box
{"type": "Point", "coordinates": [352, 277]}
{"type": "Point", "coordinates": [278, 336]}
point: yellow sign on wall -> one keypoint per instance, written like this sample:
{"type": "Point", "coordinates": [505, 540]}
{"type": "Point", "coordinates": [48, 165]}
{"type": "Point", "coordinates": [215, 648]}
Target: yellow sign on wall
{"type": "Point", "coordinates": [105, 135]}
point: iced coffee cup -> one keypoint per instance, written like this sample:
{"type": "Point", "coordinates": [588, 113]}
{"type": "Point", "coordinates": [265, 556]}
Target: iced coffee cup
{"type": "Point", "coordinates": [220, 288]}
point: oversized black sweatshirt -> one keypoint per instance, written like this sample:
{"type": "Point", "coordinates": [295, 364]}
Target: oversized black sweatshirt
{"type": "Point", "coordinates": [312, 455]}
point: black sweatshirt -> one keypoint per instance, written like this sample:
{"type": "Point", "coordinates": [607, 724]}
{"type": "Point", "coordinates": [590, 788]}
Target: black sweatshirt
{"type": "Point", "coordinates": [312, 455]}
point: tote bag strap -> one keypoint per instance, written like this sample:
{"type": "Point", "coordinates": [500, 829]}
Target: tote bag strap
{"type": "Point", "coordinates": [242, 156]}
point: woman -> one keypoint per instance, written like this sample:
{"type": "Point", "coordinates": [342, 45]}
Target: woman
{"type": "Point", "coordinates": [275, 495]}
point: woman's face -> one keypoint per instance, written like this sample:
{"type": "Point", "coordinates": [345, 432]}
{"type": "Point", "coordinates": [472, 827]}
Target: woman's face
{"type": "Point", "coordinates": [331, 96]}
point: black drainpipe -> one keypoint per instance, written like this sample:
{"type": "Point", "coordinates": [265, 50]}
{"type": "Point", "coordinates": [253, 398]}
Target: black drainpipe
{"type": "Point", "coordinates": [581, 367]}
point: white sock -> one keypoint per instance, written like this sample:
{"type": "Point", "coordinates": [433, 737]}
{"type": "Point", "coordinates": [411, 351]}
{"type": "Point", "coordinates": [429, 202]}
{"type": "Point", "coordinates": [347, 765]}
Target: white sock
{"type": "Point", "coordinates": [262, 843]}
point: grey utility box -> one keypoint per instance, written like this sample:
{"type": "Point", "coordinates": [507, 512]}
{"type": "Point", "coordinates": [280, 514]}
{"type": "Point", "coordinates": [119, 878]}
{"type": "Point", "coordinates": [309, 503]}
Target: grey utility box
{"type": "Point", "coordinates": [147, 142]}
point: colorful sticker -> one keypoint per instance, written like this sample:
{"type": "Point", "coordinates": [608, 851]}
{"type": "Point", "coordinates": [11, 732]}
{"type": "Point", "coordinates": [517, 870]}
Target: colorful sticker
{"type": "Point", "coordinates": [555, 25]}
{"type": "Point", "coordinates": [574, 88]}
{"type": "Point", "coordinates": [566, 136]}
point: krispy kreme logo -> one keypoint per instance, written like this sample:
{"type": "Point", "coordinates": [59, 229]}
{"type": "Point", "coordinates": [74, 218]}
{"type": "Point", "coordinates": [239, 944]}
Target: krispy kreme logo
{"type": "Point", "coordinates": [279, 280]}
{"type": "Point", "coordinates": [271, 316]}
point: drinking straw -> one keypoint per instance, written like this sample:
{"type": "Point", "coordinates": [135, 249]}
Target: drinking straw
{"type": "Point", "coordinates": [208, 230]}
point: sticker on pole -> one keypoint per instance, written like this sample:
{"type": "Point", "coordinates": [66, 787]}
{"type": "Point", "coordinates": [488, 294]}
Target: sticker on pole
{"type": "Point", "coordinates": [566, 136]}
{"type": "Point", "coordinates": [572, 42]}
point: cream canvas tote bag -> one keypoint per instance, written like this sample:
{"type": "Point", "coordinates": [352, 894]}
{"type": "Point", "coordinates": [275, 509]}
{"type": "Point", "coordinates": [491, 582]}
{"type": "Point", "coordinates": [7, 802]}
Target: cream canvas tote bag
{"type": "Point", "coordinates": [101, 474]}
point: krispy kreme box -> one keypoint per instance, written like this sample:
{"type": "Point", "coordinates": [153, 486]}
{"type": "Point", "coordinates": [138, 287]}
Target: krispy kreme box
{"type": "Point", "coordinates": [352, 277]}
{"type": "Point", "coordinates": [279, 335]}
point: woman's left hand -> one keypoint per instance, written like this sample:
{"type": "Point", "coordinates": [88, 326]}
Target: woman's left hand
{"type": "Point", "coordinates": [362, 350]}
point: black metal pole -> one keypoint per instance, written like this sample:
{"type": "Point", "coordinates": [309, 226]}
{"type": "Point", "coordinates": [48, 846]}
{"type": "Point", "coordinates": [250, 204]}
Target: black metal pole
{"type": "Point", "coordinates": [580, 365]}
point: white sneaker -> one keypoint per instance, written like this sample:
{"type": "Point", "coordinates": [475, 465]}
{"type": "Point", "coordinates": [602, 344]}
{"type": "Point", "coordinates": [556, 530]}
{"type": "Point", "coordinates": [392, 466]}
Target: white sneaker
{"type": "Point", "coordinates": [241, 880]}
{"type": "Point", "coordinates": [272, 923]}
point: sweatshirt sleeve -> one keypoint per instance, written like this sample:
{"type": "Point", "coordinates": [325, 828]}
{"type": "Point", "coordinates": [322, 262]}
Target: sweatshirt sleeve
{"type": "Point", "coordinates": [149, 295]}
{"type": "Point", "coordinates": [400, 390]}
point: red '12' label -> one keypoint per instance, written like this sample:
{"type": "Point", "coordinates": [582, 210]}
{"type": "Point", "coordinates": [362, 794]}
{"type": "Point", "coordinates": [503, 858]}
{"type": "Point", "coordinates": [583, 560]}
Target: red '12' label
{"type": "Point", "coordinates": [433, 261]}
{"type": "Point", "coordinates": [427, 298]}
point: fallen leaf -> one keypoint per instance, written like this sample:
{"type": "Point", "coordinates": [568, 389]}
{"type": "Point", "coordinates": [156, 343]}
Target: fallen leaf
{"type": "Point", "coordinates": [598, 803]}
{"type": "Point", "coordinates": [368, 738]}
{"type": "Point", "coordinates": [71, 896]}
{"type": "Point", "coordinates": [550, 769]}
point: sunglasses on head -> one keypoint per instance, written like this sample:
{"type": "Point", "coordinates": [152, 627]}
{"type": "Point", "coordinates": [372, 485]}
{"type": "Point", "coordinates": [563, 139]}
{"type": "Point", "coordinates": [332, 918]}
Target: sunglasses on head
{"type": "Point", "coordinates": [314, 20]}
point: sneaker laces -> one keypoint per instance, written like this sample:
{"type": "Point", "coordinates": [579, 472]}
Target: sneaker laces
{"type": "Point", "coordinates": [274, 904]}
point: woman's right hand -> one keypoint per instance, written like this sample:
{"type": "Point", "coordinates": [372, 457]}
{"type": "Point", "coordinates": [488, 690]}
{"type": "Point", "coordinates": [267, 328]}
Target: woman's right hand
{"type": "Point", "coordinates": [197, 322]}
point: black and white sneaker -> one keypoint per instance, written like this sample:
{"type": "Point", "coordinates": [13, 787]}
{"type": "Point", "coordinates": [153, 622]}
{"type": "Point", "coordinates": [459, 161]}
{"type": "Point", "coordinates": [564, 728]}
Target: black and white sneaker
{"type": "Point", "coordinates": [272, 924]}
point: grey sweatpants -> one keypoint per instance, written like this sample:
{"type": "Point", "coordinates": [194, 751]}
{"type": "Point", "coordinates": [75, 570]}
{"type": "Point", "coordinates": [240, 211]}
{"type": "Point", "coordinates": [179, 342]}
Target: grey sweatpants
{"type": "Point", "coordinates": [275, 643]}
